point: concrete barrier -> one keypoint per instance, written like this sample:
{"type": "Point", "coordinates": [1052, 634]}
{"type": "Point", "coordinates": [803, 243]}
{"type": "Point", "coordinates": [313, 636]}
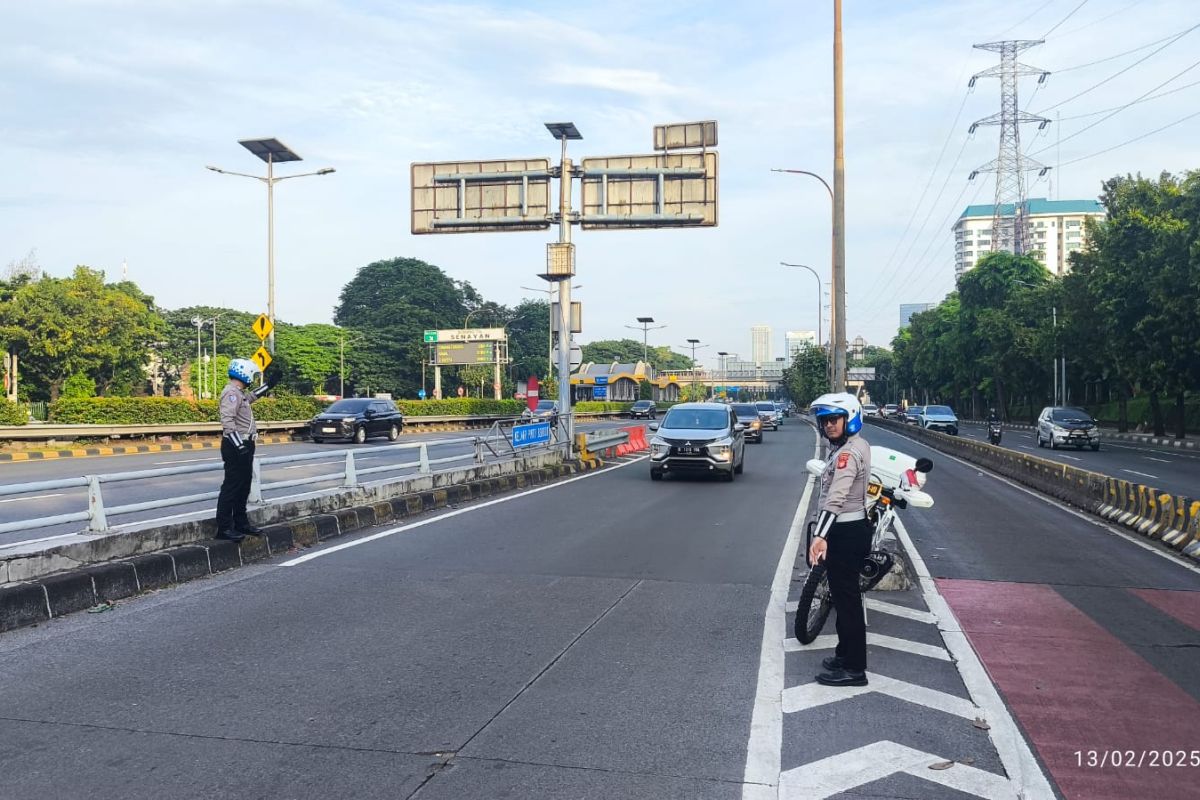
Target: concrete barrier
{"type": "Point", "coordinates": [1153, 513]}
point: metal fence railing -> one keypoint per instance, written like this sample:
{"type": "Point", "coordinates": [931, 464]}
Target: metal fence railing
{"type": "Point", "coordinates": [350, 474]}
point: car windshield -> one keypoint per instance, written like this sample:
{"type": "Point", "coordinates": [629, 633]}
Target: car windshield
{"type": "Point", "coordinates": [642, 404]}
{"type": "Point", "coordinates": [939, 410]}
{"type": "Point", "coordinates": [704, 419]}
{"type": "Point", "coordinates": [348, 406]}
{"type": "Point", "coordinates": [547, 405]}
{"type": "Point", "coordinates": [1070, 415]}
{"type": "Point", "coordinates": [745, 410]}
{"type": "Point", "coordinates": [765, 406]}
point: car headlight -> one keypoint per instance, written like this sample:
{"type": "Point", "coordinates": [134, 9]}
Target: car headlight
{"type": "Point", "coordinates": [756, 424]}
{"type": "Point", "coordinates": [1060, 431]}
{"type": "Point", "coordinates": [720, 452]}
{"type": "Point", "coordinates": [659, 448]}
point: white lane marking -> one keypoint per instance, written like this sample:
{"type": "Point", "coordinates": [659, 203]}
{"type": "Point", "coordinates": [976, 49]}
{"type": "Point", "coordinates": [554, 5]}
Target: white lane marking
{"type": "Point", "coordinates": [35, 541]}
{"type": "Point", "coordinates": [829, 641]}
{"type": "Point", "coordinates": [842, 772]}
{"type": "Point", "coordinates": [34, 497]}
{"type": "Point", "coordinates": [812, 695]}
{"type": "Point", "coordinates": [1014, 751]}
{"type": "Point", "coordinates": [467, 510]}
{"type": "Point", "coordinates": [1160, 460]}
{"type": "Point", "coordinates": [764, 751]}
{"type": "Point", "coordinates": [900, 611]}
{"type": "Point", "coordinates": [1128, 536]}
{"type": "Point", "coordinates": [1073, 458]}
{"type": "Point", "coordinates": [186, 460]}
{"type": "Point", "coordinates": [1143, 474]}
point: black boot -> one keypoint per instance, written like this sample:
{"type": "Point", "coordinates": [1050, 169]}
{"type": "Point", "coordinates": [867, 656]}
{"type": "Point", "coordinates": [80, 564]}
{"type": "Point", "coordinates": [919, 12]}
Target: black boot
{"type": "Point", "coordinates": [250, 530]}
{"type": "Point", "coordinates": [842, 677]}
{"type": "Point", "coordinates": [833, 663]}
{"type": "Point", "coordinates": [231, 535]}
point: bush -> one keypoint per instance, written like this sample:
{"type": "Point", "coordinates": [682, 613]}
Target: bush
{"type": "Point", "coordinates": [168, 410]}
{"type": "Point", "coordinates": [465, 406]}
{"type": "Point", "coordinates": [1139, 414]}
{"type": "Point", "coordinates": [600, 406]}
{"type": "Point", "coordinates": [79, 385]}
{"type": "Point", "coordinates": [12, 413]}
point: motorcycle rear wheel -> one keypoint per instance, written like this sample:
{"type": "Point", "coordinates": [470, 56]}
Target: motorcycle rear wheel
{"type": "Point", "coordinates": [815, 604]}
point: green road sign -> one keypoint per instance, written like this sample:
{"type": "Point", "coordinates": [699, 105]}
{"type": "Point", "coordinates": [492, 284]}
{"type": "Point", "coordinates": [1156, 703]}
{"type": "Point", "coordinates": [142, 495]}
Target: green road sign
{"type": "Point", "coordinates": [430, 336]}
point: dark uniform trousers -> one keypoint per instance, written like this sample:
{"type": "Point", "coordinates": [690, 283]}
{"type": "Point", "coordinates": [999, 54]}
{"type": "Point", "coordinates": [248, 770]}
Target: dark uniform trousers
{"type": "Point", "coordinates": [231, 503]}
{"type": "Point", "coordinates": [849, 543]}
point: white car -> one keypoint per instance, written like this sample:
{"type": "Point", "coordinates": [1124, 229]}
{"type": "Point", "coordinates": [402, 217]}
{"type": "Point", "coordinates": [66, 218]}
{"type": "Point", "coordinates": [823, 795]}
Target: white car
{"type": "Point", "coordinates": [870, 410]}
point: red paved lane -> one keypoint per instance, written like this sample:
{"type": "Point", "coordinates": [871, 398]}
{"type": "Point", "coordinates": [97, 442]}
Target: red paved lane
{"type": "Point", "coordinates": [1183, 606]}
{"type": "Point", "coordinates": [1075, 688]}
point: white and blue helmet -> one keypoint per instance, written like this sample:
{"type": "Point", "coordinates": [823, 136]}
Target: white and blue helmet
{"type": "Point", "coordinates": [243, 369]}
{"type": "Point", "coordinates": [841, 404]}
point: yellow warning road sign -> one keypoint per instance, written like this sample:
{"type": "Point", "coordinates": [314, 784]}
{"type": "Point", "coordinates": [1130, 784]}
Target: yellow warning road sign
{"type": "Point", "coordinates": [262, 326]}
{"type": "Point", "coordinates": [262, 358]}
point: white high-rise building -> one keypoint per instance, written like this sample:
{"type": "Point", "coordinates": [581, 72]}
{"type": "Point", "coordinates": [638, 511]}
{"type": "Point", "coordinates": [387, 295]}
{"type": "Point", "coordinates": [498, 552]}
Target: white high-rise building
{"type": "Point", "coordinates": [760, 344]}
{"type": "Point", "coordinates": [794, 341]}
{"type": "Point", "coordinates": [1054, 231]}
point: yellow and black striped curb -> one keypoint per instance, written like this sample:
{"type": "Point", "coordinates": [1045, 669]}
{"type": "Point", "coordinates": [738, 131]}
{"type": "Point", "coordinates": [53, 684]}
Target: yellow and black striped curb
{"type": "Point", "coordinates": [130, 449]}
{"type": "Point", "coordinates": [1170, 518]}
{"type": "Point", "coordinates": [53, 596]}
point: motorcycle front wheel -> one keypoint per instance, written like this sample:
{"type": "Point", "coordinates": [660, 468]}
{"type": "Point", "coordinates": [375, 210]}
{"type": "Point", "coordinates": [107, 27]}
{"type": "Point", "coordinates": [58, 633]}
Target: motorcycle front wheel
{"type": "Point", "coordinates": [814, 606]}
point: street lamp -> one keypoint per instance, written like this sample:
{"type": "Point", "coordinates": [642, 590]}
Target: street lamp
{"type": "Point", "coordinates": [213, 375]}
{"type": "Point", "coordinates": [645, 327]}
{"type": "Point", "coordinates": [342, 362]}
{"type": "Point", "coordinates": [695, 345]}
{"type": "Point", "coordinates": [838, 335]}
{"type": "Point", "coordinates": [273, 152]}
{"type": "Point", "coordinates": [820, 289]}
{"type": "Point", "coordinates": [1054, 370]}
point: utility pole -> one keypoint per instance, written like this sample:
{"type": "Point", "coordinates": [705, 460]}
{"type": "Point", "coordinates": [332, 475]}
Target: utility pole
{"type": "Point", "coordinates": [839, 209]}
{"type": "Point", "coordinates": [695, 345]}
{"type": "Point", "coordinates": [645, 327]}
{"type": "Point", "coordinates": [1010, 165]}
{"type": "Point", "coordinates": [199, 323]}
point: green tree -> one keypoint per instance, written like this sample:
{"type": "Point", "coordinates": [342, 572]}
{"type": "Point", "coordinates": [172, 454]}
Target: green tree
{"type": "Point", "coordinates": [807, 378]}
{"type": "Point", "coordinates": [628, 351]}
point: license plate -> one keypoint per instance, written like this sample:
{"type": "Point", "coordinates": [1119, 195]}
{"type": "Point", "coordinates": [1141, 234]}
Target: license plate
{"type": "Point", "coordinates": [874, 489]}
{"type": "Point", "coordinates": [328, 430]}
{"type": "Point", "coordinates": [689, 451]}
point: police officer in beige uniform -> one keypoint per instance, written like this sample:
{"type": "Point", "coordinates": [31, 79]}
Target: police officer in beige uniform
{"type": "Point", "coordinates": [238, 432]}
{"type": "Point", "coordinates": [842, 537]}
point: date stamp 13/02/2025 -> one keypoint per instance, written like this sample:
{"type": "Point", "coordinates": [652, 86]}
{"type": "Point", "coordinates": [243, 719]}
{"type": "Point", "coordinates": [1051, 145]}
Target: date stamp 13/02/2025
{"type": "Point", "coordinates": [1137, 759]}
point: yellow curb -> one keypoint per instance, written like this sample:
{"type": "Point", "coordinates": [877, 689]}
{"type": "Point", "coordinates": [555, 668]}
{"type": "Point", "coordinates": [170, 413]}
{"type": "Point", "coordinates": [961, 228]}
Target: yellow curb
{"type": "Point", "coordinates": [26, 456]}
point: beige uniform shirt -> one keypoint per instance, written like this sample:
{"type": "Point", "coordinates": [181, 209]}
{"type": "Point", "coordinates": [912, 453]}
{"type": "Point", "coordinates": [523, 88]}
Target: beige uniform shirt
{"type": "Point", "coordinates": [236, 415]}
{"type": "Point", "coordinates": [844, 481]}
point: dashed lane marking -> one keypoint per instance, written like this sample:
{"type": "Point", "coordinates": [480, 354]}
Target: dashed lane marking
{"type": "Point", "coordinates": [811, 695]}
{"type": "Point", "coordinates": [1143, 474]}
{"type": "Point", "coordinates": [828, 641]}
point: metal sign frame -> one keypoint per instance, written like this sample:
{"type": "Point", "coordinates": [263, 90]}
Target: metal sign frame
{"type": "Point", "coordinates": [684, 135]}
{"type": "Point", "coordinates": [473, 196]}
{"type": "Point", "coordinates": [658, 190]}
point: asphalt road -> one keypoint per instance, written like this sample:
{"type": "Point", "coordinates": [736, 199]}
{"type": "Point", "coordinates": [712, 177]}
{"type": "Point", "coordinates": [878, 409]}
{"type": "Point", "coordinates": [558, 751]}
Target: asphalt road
{"type": "Point", "coordinates": [604, 637]}
{"type": "Point", "coordinates": [1175, 471]}
{"type": "Point", "coordinates": [373, 453]}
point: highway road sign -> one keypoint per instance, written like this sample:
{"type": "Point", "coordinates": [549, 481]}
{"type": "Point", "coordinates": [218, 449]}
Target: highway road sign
{"type": "Point", "coordinates": [473, 196]}
{"type": "Point", "coordinates": [262, 358]}
{"type": "Point", "coordinates": [531, 434]}
{"type": "Point", "coordinates": [431, 336]}
{"type": "Point", "coordinates": [262, 326]}
{"type": "Point", "coordinates": [446, 353]}
{"type": "Point", "coordinates": [662, 190]}
{"type": "Point", "coordinates": [685, 135]}
{"type": "Point", "coordinates": [600, 392]}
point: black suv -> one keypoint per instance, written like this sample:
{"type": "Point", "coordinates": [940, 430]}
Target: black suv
{"type": "Point", "coordinates": [646, 409]}
{"type": "Point", "coordinates": [357, 419]}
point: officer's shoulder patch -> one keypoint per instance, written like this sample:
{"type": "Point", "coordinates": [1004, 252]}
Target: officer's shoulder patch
{"type": "Point", "coordinates": [843, 460]}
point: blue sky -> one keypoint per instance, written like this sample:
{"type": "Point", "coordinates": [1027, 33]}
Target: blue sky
{"type": "Point", "coordinates": [110, 109]}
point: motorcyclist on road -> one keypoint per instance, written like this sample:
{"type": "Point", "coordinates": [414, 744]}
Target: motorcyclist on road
{"type": "Point", "coordinates": [993, 416]}
{"type": "Point", "coordinates": [842, 536]}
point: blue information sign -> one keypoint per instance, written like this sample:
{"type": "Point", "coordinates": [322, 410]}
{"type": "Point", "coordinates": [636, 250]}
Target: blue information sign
{"type": "Point", "coordinates": [600, 392]}
{"type": "Point", "coordinates": [531, 434]}
{"type": "Point", "coordinates": [601, 380]}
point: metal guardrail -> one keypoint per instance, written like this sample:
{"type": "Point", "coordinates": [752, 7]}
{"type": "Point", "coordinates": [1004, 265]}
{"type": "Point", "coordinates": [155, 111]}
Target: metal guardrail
{"type": "Point", "coordinates": [35, 431]}
{"type": "Point", "coordinates": [97, 514]}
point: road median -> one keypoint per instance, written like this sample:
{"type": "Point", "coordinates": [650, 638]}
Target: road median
{"type": "Point", "coordinates": [1172, 519]}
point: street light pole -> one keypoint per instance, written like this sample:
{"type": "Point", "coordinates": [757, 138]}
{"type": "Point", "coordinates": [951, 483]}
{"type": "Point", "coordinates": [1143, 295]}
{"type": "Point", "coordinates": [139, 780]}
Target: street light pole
{"type": "Point", "coordinates": [694, 344]}
{"type": "Point", "coordinates": [550, 325]}
{"type": "Point", "coordinates": [839, 208]}
{"type": "Point", "coordinates": [820, 288]}
{"type": "Point", "coordinates": [645, 327]}
{"type": "Point", "coordinates": [199, 323]}
{"type": "Point", "coordinates": [271, 151]}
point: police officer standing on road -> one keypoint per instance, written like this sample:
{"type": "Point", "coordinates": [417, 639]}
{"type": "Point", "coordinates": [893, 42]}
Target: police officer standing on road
{"type": "Point", "coordinates": [238, 432]}
{"type": "Point", "coordinates": [842, 537]}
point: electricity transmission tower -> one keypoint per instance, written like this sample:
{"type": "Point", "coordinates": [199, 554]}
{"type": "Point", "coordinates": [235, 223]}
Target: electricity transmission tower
{"type": "Point", "coordinates": [1010, 166]}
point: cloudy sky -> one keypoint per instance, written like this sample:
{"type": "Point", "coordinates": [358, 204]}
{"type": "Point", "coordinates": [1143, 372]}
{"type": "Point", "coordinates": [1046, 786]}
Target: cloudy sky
{"type": "Point", "coordinates": [110, 109]}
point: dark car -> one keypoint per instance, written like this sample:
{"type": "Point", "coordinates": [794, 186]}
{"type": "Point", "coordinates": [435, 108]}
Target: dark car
{"type": "Point", "coordinates": [357, 419]}
{"type": "Point", "coordinates": [913, 415]}
{"type": "Point", "coordinates": [1066, 426]}
{"type": "Point", "coordinates": [546, 409]}
{"type": "Point", "coordinates": [747, 414]}
{"type": "Point", "coordinates": [698, 438]}
{"type": "Point", "coordinates": [644, 409]}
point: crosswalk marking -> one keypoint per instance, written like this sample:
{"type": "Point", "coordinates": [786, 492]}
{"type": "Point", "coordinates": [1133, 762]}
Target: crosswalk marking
{"type": "Point", "coordinates": [812, 695]}
{"type": "Point", "coordinates": [844, 771]}
{"type": "Point", "coordinates": [900, 611]}
{"type": "Point", "coordinates": [829, 640]}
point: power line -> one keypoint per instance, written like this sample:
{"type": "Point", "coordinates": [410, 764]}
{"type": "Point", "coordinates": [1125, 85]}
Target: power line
{"type": "Point", "coordinates": [1105, 18]}
{"type": "Point", "coordinates": [1118, 55]}
{"type": "Point", "coordinates": [1120, 72]}
{"type": "Point", "coordinates": [1028, 17]}
{"type": "Point", "coordinates": [1064, 19]}
{"type": "Point", "coordinates": [1134, 139]}
{"type": "Point", "coordinates": [1119, 109]}
{"type": "Point", "coordinates": [1144, 100]}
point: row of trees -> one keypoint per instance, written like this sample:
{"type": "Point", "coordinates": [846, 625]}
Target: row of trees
{"type": "Point", "coordinates": [1126, 317]}
{"type": "Point", "coordinates": [80, 336]}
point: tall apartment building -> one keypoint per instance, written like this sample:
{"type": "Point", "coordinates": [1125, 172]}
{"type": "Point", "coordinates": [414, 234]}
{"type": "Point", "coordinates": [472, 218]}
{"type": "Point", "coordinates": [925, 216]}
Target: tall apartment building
{"type": "Point", "coordinates": [908, 309]}
{"type": "Point", "coordinates": [797, 340]}
{"type": "Point", "coordinates": [1054, 227]}
{"type": "Point", "coordinates": [760, 344]}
